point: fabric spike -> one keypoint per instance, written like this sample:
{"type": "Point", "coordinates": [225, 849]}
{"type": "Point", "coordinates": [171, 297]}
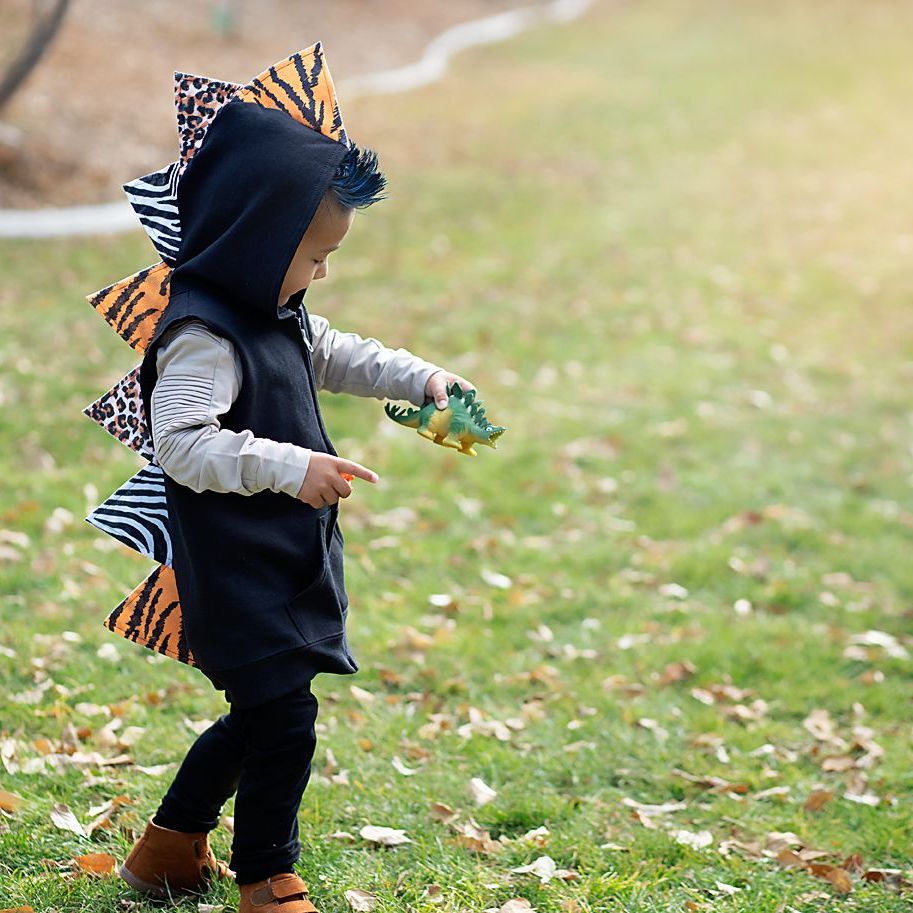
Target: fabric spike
{"type": "Point", "coordinates": [133, 305]}
{"type": "Point", "coordinates": [154, 198]}
{"type": "Point", "coordinates": [300, 85]}
{"type": "Point", "coordinates": [121, 413]}
{"type": "Point", "coordinates": [137, 515]}
{"type": "Point", "coordinates": [197, 100]}
{"type": "Point", "coordinates": [151, 616]}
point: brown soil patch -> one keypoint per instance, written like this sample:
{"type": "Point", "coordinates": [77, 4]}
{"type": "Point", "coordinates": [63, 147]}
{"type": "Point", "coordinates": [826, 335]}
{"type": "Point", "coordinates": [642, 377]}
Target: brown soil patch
{"type": "Point", "coordinates": [99, 108]}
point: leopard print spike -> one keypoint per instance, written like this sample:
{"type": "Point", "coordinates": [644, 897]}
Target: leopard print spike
{"type": "Point", "coordinates": [197, 100]}
{"type": "Point", "coordinates": [121, 413]}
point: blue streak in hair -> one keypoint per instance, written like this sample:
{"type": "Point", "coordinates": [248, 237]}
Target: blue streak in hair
{"type": "Point", "coordinates": [357, 182]}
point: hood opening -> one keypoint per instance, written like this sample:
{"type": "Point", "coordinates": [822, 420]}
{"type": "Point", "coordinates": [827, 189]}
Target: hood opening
{"type": "Point", "coordinates": [246, 200]}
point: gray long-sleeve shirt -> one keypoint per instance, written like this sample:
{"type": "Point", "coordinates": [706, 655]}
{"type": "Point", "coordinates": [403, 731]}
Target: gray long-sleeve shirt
{"type": "Point", "coordinates": [200, 375]}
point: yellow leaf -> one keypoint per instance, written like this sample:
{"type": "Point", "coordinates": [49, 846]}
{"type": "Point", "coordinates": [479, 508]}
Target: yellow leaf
{"type": "Point", "coordinates": [95, 863]}
{"type": "Point", "coordinates": [817, 800]}
{"type": "Point", "coordinates": [9, 802]}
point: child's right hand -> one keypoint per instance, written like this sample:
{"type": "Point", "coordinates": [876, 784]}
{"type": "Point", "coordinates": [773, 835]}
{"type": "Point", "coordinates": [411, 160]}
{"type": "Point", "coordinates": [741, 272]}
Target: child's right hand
{"type": "Point", "coordinates": [323, 481]}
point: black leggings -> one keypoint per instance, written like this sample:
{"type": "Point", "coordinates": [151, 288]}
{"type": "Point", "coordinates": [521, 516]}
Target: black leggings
{"type": "Point", "coordinates": [264, 753]}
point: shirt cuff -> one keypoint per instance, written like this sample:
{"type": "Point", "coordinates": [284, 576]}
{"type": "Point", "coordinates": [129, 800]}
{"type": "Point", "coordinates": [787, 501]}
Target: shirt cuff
{"type": "Point", "coordinates": [285, 470]}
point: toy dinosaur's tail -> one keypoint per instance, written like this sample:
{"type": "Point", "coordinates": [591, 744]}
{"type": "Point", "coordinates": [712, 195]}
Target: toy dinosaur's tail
{"type": "Point", "coordinates": [407, 417]}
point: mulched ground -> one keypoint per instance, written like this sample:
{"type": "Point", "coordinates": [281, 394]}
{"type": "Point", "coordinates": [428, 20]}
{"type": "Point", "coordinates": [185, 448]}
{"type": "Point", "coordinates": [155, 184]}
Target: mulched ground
{"type": "Point", "coordinates": [99, 110]}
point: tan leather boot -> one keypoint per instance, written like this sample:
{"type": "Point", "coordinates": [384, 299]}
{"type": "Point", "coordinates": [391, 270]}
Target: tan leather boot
{"type": "Point", "coordinates": [164, 862]}
{"type": "Point", "coordinates": [282, 893]}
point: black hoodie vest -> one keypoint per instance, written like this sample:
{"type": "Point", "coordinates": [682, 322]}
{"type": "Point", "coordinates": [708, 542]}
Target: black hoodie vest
{"type": "Point", "coordinates": [259, 577]}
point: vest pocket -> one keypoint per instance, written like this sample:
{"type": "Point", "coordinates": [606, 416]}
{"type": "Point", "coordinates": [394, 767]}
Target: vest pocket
{"type": "Point", "coordinates": [318, 611]}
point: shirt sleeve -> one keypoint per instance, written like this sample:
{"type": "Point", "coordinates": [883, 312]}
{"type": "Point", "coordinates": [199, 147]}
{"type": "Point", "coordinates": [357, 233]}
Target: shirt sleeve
{"type": "Point", "coordinates": [349, 363]}
{"type": "Point", "coordinates": [199, 376]}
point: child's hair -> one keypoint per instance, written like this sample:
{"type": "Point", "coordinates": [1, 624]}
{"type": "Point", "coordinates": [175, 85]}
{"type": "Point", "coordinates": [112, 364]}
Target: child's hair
{"type": "Point", "coordinates": [357, 181]}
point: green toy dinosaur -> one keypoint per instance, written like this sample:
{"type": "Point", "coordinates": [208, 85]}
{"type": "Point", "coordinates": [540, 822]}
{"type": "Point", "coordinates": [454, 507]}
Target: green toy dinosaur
{"type": "Point", "coordinates": [460, 424]}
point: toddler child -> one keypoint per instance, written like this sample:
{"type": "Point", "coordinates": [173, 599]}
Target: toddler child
{"type": "Point", "coordinates": [252, 480]}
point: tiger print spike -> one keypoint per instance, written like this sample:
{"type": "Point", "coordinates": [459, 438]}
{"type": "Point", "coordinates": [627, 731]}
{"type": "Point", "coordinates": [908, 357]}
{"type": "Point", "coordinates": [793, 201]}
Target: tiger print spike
{"type": "Point", "coordinates": [121, 413]}
{"type": "Point", "coordinates": [197, 100]}
{"type": "Point", "coordinates": [300, 85]}
{"type": "Point", "coordinates": [133, 305]}
{"type": "Point", "coordinates": [151, 616]}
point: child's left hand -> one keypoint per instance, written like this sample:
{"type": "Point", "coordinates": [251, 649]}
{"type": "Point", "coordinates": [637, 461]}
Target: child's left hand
{"type": "Point", "coordinates": [436, 386]}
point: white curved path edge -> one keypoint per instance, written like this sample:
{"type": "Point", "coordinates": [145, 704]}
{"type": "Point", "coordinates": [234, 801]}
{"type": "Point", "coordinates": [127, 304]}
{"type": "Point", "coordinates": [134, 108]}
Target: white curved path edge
{"type": "Point", "coordinates": [111, 218]}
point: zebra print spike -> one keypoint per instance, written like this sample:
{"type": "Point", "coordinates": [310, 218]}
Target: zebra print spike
{"type": "Point", "coordinates": [120, 412]}
{"type": "Point", "coordinates": [154, 198]}
{"type": "Point", "coordinates": [137, 515]}
{"type": "Point", "coordinates": [151, 616]}
{"type": "Point", "coordinates": [197, 100]}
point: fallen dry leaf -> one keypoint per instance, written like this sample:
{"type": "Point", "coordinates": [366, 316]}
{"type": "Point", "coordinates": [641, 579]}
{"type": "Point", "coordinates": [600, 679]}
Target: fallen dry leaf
{"type": "Point", "coordinates": [835, 764]}
{"type": "Point", "coordinates": [364, 697]}
{"type": "Point", "coordinates": [516, 905]}
{"type": "Point", "coordinates": [537, 836]}
{"type": "Point", "coordinates": [361, 901]}
{"type": "Point", "coordinates": [433, 893]}
{"type": "Point", "coordinates": [493, 578]}
{"type": "Point", "coordinates": [480, 791]}
{"type": "Point", "coordinates": [95, 863]}
{"type": "Point", "coordinates": [104, 813]}
{"type": "Point", "coordinates": [154, 770]}
{"type": "Point", "coordinates": [401, 767]}
{"type": "Point", "coordinates": [62, 817]}
{"type": "Point", "coordinates": [442, 812]}
{"type": "Point", "coordinates": [862, 798]}
{"type": "Point", "coordinates": [654, 727]}
{"type": "Point", "coordinates": [817, 800]}
{"type": "Point", "coordinates": [697, 840]}
{"type": "Point", "coordinates": [838, 877]}
{"type": "Point", "coordinates": [891, 877]}
{"type": "Point", "coordinates": [820, 725]}
{"type": "Point", "coordinates": [9, 802]}
{"type": "Point", "coordinates": [543, 867]}
{"type": "Point", "coordinates": [676, 672]}
{"type": "Point", "coordinates": [386, 836]}
{"type": "Point", "coordinates": [663, 809]}
{"type": "Point", "coordinates": [714, 784]}
{"type": "Point", "coordinates": [474, 837]}
{"type": "Point", "coordinates": [724, 888]}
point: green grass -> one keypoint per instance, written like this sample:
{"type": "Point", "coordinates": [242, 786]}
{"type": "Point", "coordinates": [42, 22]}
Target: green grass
{"type": "Point", "coordinates": [670, 244]}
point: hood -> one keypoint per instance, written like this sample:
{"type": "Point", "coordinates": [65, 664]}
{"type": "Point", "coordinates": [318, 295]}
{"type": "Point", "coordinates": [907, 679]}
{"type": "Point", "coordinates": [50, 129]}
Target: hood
{"type": "Point", "coordinates": [245, 201]}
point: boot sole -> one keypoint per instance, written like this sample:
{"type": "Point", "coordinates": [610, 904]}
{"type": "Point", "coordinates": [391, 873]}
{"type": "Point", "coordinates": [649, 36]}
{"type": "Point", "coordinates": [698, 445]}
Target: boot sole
{"type": "Point", "coordinates": [157, 891]}
{"type": "Point", "coordinates": [144, 887]}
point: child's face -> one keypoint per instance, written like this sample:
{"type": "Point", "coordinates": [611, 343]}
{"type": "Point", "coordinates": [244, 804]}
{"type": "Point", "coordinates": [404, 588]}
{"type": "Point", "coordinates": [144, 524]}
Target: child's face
{"type": "Point", "coordinates": [324, 234]}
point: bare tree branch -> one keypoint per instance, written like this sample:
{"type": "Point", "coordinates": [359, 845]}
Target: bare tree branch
{"type": "Point", "coordinates": [43, 31]}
